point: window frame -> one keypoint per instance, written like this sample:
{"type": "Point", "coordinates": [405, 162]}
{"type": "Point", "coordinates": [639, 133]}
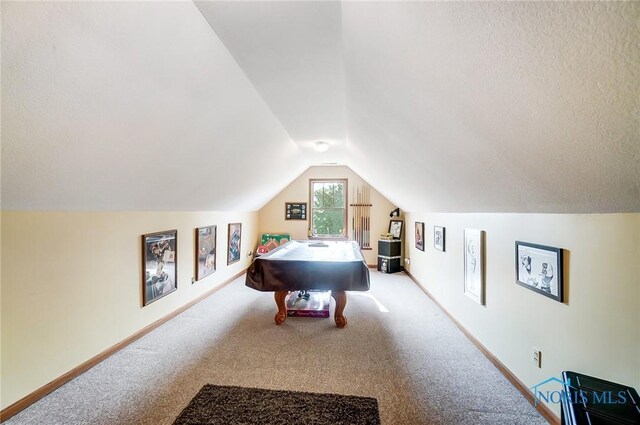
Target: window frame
{"type": "Point", "coordinates": [311, 208]}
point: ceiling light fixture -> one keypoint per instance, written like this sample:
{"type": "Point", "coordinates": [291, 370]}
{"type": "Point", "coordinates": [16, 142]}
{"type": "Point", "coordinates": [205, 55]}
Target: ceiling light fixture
{"type": "Point", "coordinates": [321, 146]}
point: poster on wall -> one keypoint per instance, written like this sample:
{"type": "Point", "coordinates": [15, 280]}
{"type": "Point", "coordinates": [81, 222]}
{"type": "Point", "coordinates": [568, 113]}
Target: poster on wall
{"type": "Point", "coordinates": [234, 242]}
{"type": "Point", "coordinates": [474, 264]}
{"type": "Point", "coordinates": [539, 268]}
{"type": "Point", "coordinates": [420, 236]}
{"type": "Point", "coordinates": [438, 238]}
{"type": "Point", "coordinates": [159, 256]}
{"type": "Point", "coordinates": [295, 210]}
{"type": "Point", "coordinates": [205, 251]}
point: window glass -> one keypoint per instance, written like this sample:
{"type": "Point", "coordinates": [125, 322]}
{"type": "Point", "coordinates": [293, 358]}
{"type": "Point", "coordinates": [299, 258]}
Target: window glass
{"type": "Point", "coordinates": [328, 208]}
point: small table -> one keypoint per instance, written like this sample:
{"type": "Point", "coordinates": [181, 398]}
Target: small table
{"type": "Point", "coordinates": [336, 266]}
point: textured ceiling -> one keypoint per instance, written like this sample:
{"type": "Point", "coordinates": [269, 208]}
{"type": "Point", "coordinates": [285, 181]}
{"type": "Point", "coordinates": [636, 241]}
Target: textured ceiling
{"type": "Point", "coordinates": [497, 106]}
{"type": "Point", "coordinates": [442, 106]}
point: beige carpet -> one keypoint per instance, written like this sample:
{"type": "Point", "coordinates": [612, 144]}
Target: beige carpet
{"type": "Point", "coordinates": [398, 347]}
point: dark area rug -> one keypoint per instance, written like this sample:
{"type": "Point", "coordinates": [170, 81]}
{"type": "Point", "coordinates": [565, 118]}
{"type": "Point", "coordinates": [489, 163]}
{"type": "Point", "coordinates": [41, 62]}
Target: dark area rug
{"type": "Point", "coordinates": [237, 405]}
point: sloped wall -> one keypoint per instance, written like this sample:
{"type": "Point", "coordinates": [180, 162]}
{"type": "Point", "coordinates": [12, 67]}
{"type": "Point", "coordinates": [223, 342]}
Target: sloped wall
{"type": "Point", "coordinates": [131, 106]}
{"type": "Point", "coordinates": [595, 332]}
{"type": "Point", "coordinates": [271, 217]}
{"type": "Point", "coordinates": [71, 285]}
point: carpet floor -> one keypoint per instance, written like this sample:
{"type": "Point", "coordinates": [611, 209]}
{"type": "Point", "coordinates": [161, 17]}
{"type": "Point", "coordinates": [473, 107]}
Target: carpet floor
{"type": "Point", "coordinates": [398, 348]}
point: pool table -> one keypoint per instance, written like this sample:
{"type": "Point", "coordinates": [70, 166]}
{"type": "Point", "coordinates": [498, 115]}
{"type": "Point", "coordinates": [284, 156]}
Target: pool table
{"type": "Point", "coordinates": [336, 266]}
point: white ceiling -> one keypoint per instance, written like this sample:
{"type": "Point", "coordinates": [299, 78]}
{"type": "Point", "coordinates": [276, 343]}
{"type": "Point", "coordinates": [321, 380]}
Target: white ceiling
{"type": "Point", "coordinates": [132, 106]}
{"type": "Point", "coordinates": [442, 106]}
{"type": "Point", "coordinates": [292, 53]}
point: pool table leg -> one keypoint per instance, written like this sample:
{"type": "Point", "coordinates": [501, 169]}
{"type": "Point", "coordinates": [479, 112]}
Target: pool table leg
{"type": "Point", "coordinates": [341, 302]}
{"type": "Point", "coordinates": [281, 315]}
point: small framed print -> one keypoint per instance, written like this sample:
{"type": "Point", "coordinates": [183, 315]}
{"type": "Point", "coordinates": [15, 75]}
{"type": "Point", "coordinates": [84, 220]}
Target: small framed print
{"type": "Point", "coordinates": [420, 236]}
{"type": "Point", "coordinates": [474, 265]}
{"type": "Point", "coordinates": [438, 238]}
{"type": "Point", "coordinates": [395, 228]}
{"type": "Point", "coordinates": [295, 210]}
{"type": "Point", "coordinates": [205, 251]}
{"type": "Point", "coordinates": [159, 256]}
{"type": "Point", "coordinates": [539, 268]}
{"type": "Point", "coordinates": [234, 243]}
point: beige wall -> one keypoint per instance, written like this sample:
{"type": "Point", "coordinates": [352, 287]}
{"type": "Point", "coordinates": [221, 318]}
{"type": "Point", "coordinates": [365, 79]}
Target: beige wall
{"type": "Point", "coordinates": [271, 217]}
{"type": "Point", "coordinates": [71, 285]}
{"type": "Point", "coordinates": [596, 332]}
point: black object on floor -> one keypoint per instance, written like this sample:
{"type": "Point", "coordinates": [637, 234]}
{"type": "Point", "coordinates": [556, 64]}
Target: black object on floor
{"type": "Point", "coordinates": [237, 405]}
{"type": "Point", "coordinates": [593, 401]}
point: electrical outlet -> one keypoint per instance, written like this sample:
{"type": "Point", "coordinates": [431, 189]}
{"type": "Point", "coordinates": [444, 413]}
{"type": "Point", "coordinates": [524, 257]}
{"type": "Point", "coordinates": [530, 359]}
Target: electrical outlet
{"type": "Point", "coordinates": [537, 357]}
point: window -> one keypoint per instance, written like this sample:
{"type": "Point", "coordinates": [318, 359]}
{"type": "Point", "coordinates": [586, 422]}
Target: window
{"type": "Point", "coordinates": [328, 200]}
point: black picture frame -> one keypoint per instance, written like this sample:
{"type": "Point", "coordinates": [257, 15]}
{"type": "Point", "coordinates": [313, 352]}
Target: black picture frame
{"type": "Point", "coordinates": [439, 238]}
{"type": "Point", "coordinates": [206, 251]}
{"type": "Point", "coordinates": [419, 235]}
{"type": "Point", "coordinates": [234, 242]}
{"type": "Point", "coordinates": [295, 210]}
{"type": "Point", "coordinates": [540, 269]}
{"type": "Point", "coordinates": [395, 228]}
{"type": "Point", "coordinates": [159, 265]}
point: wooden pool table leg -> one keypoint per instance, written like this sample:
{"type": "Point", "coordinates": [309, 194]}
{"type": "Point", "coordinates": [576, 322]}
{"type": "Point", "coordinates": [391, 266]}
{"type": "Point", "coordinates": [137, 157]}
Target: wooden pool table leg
{"type": "Point", "coordinates": [281, 315]}
{"type": "Point", "coordinates": [341, 302]}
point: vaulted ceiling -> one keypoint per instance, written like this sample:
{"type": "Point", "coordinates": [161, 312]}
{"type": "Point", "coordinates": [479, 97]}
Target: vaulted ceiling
{"type": "Point", "coordinates": [442, 106]}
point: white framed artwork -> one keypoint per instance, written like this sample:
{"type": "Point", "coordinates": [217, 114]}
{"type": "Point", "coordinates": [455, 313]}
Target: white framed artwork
{"type": "Point", "coordinates": [474, 264]}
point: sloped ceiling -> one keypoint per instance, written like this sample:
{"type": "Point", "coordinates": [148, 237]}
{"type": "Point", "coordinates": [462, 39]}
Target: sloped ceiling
{"type": "Point", "coordinates": [442, 106]}
{"type": "Point", "coordinates": [497, 106]}
{"type": "Point", "coordinates": [292, 53]}
{"type": "Point", "coordinates": [132, 106]}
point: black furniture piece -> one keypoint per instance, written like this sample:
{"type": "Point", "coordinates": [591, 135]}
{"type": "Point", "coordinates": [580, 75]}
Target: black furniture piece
{"type": "Point", "coordinates": [389, 255]}
{"type": "Point", "coordinates": [593, 401]}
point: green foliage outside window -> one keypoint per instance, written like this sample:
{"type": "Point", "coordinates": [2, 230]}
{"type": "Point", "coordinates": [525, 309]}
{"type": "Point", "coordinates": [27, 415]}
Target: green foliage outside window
{"type": "Point", "coordinates": [328, 210]}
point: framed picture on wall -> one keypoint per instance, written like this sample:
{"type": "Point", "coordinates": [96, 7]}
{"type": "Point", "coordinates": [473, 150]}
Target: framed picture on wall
{"type": "Point", "coordinates": [420, 236]}
{"type": "Point", "coordinates": [474, 264]}
{"type": "Point", "coordinates": [159, 256]}
{"type": "Point", "coordinates": [295, 210]}
{"type": "Point", "coordinates": [234, 241]}
{"type": "Point", "coordinates": [395, 228]}
{"type": "Point", "coordinates": [539, 268]}
{"type": "Point", "coordinates": [438, 238]}
{"type": "Point", "coordinates": [205, 251]}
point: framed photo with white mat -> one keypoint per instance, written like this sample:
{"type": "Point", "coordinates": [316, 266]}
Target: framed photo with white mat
{"type": "Point", "coordinates": [474, 265]}
{"type": "Point", "coordinates": [539, 268]}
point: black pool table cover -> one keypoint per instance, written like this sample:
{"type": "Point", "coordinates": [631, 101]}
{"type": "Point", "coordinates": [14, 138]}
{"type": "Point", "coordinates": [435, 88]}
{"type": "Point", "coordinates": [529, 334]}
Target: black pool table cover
{"type": "Point", "coordinates": [307, 265]}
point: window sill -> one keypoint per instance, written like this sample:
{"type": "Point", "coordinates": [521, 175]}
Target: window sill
{"type": "Point", "coordinates": [328, 238]}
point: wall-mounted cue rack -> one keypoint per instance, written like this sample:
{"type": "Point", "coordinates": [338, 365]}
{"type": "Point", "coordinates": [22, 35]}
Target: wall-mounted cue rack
{"type": "Point", "coordinates": [361, 220]}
